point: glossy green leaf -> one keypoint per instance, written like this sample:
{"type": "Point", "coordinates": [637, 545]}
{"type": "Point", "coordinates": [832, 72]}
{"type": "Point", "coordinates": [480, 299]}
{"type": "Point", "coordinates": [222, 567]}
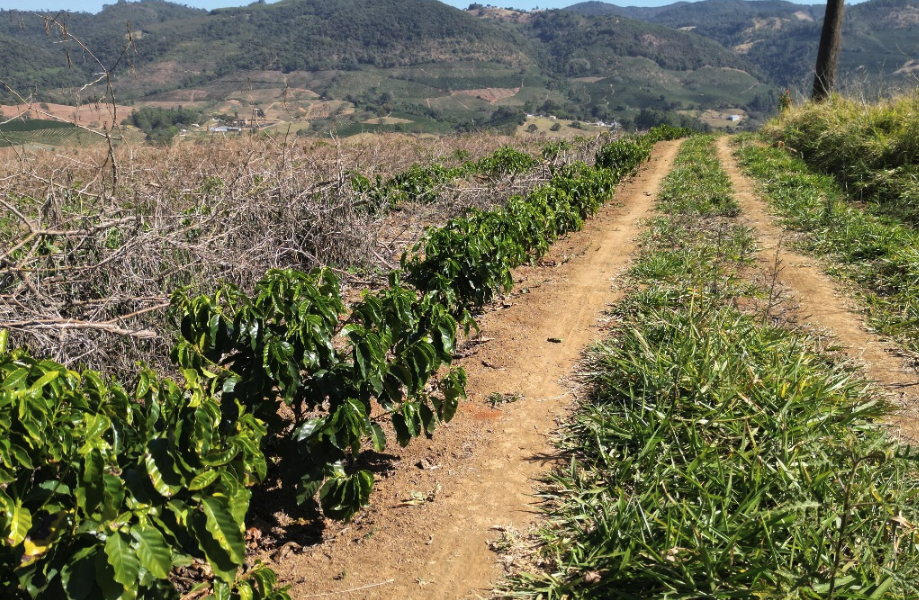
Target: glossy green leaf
{"type": "Point", "coordinates": [78, 576]}
{"type": "Point", "coordinates": [161, 468]}
{"type": "Point", "coordinates": [152, 551]}
{"type": "Point", "coordinates": [19, 521]}
{"type": "Point", "coordinates": [203, 479]}
{"type": "Point", "coordinates": [226, 530]}
{"type": "Point", "coordinates": [123, 559]}
{"type": "Point", "coordinates": [342, 497]}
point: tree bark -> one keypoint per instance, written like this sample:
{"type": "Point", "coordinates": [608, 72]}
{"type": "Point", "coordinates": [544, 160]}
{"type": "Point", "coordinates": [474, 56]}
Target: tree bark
{"type": "Point", "coordinates": [828, 53]}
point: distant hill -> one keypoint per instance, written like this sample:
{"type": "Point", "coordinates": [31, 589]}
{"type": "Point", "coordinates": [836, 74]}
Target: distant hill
{"type": "Point", "coordinates": [424, 65]}
{"type": "Point", "coordinates": [880, 36]}
{"type": "Point", "coordinates": [28, 67]}
{"type": "Point", "coordinates": [578, 45]}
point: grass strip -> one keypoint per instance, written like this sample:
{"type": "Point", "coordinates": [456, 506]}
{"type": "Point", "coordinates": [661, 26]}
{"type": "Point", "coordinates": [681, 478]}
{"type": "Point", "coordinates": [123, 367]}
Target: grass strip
{"type": "Point", "coordinates": [870, 148]}
{"type": "Point", "coordinates": [877, 252]}
{"type": "Point", "coordinates": [717, 456]}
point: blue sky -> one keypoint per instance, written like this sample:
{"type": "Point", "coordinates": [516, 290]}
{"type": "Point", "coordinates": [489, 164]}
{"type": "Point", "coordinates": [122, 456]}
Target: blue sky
{"type": "Point", "coordinates": [96, 5]}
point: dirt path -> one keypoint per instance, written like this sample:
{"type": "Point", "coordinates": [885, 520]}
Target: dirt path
{"type": "Point", "coordinates": [822, 303]}
{"type": "Point", "coordinates": [427, 533]}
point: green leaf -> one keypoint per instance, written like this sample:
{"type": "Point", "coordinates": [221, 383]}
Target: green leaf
{"type": "Point", "coordinates": [44, 380]}
{"type": "Point", "coordinates": [226, 531]}
{"type": "Point", "coordinates": [90, 490]}
{"type": "Point", "coordinates": [378, 437]}
{"type": "Point", "coordinates": [123, 559]}
{"type": "Point", "coordinates": [15, 379]}
{"type": "Point", "coordinates": [220, 561]}
{"type": "Point", "coordinates": [19, 521]}
{"type": "Point", "coordinates": [221, 590]}
{"type": "Point", "coordinates": [105, 579]}
{"type": "Point", "coordinates": [244, 591]}
{"type": "Point", "coordinates": [78, 576]}
{"type": "Point", "coordinates": [342, 497]}
{"type": "Point", "coordinates": [428, 419]}
{"type": "Point", "coordinates": [203, 479]}
{"type": "Point", "coordinates": [152, 550]}
{"type": "Point", "coordinates": [161, 468]}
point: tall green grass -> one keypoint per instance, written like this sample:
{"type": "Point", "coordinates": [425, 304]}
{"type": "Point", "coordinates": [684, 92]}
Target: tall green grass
{"type": "Point", "coordinates": [872, 149]}
{"type": "Point", "coordinates": [879, 253]}
{"type": "Point", "coordinates": [718, 457]}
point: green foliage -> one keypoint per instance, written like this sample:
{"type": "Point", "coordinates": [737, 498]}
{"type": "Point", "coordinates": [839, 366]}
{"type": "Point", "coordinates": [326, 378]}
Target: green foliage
{"type": "Point", "coordinates": [876, 252]}
{"type": "Point", "coordinates": [33, 125]}
{"type": "Point", "coordinates": [676, 494]}
{"type": "Point", "coordinates": [468, 261]}
{"type": "Point", "coordinates": [578, 45]}
{"type": "Point", "coordinates": [649, 118]}
{"type": "Point", "coordinates": [424, 183]}
{"type": "Point", "coordinates": [281, 343]}
{"type": "Point", "coordinates": [872, 149]}
{"type": "Point", "coordinates": [313, 35]}
{"type": "Point", "coordinates": [105, 490]}
{"type": "Point", "coordinates": [161, 124]}
{"type": "Point", "coordinates": [718, 457]}
{"type": "Point", "coordinates": [698, 184]}
{"type": "Point", "coordinates": [783, 36]}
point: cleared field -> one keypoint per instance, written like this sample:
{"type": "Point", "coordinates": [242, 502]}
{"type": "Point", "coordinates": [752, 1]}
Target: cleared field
{"type": "Point", "coordinates": [71, 136]}
{"type": "Point", "coordinates": [544, 127]}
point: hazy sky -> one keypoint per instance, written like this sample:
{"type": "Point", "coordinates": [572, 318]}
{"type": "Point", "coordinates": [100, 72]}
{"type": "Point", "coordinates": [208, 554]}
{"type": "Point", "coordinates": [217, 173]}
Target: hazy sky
{"type": "Point", "coordinates": [96, 5]}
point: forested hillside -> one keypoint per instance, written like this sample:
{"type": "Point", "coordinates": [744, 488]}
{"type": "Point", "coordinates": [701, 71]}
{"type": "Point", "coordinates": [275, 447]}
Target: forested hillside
{"type": "Point", "coordinates": [425, 66]}
{"type": "Point", "coordinates": [880, 36]}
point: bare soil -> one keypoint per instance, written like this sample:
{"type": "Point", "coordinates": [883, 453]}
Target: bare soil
{"type": "Point", "coordinates": [439, 502]}
{"type": "Point", "coordinates": [490, 95]}
{"type": "Point", "coordinates": [87, 115]}
{"type": "Point", "coordinates": [822, 302]}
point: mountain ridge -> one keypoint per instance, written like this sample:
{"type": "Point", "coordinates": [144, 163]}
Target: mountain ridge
{"type": "Point", "coordinates": [423, 61]}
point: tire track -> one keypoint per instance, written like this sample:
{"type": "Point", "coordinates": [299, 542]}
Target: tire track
{"type": "Point", "coordinates": [823, 303]}
{"type": "Point", "coordinates": [488, 459]}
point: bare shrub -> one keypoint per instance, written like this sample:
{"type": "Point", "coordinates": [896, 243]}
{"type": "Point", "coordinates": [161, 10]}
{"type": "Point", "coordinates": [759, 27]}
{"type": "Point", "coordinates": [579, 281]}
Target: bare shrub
{"type": "Point", "coordinates": [87, 265]}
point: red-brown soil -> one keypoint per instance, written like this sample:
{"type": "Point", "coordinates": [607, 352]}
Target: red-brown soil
{"type": "Point", "coordinates": [442, 500]}
{"type": "Point", "coordinates": [823, 303]}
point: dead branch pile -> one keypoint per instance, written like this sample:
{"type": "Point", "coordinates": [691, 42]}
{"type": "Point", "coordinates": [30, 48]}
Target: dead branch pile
{"type": "Point", "coordinates": [89, 255]}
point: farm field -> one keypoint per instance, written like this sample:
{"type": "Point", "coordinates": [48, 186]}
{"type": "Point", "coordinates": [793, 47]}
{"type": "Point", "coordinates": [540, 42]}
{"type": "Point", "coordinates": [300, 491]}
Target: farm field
{"type": "Point", "coordinates": [397, 334]}
{"type": "Point", "coordinates": [369, 353]}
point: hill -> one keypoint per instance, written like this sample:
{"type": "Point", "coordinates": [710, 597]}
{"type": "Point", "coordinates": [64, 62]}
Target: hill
{"type": "Point", "coordinates": [416, 65]}
{"type": "Point", "coordinates": [880, 41]}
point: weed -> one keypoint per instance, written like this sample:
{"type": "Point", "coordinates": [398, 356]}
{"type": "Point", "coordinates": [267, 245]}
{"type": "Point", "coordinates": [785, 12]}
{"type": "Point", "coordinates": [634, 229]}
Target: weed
{"type": "Point", "coordinates": [876, 252]}
{"type": "Point", "coordinates": [871, 149]}
{"type": "Point", "coordinates": [718, 456]}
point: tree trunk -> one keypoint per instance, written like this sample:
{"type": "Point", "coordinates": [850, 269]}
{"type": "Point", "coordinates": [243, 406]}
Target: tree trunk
{"type": "Point", "coordinates": [828, 53]}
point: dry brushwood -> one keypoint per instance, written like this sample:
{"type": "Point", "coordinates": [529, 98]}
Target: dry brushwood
{"type": "Point", "coordinates": [86, 270]}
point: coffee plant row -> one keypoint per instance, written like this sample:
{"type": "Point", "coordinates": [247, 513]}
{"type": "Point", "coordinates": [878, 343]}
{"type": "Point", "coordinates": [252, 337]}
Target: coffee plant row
{"type": "Point", "coordinates": [423, 183]}
{"type": "Point", "coordinates": [106, 490]}
{"type": "Point", "coordinates": [469, 260]}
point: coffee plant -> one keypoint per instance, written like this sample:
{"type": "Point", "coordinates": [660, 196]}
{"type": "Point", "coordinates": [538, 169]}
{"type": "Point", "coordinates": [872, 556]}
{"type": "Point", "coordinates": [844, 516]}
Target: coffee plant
{"type": "Point", "coordinates": [103, 491]}
{"type": "Point", "coordinates": [423, 183]}
{"type": "Point", "coordinates": [281, 344]}
{"type": "Point", "coordinates": [468, 261]}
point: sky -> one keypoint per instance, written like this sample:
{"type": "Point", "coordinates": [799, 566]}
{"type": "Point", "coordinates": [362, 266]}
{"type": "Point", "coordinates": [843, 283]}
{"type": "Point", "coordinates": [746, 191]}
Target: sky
{"type": "Point", "coordinates": [96, 5]}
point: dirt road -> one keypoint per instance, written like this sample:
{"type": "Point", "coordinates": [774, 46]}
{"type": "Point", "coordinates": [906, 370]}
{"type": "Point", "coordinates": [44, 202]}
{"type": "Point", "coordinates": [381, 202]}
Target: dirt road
{"type": "Point", "coordinates": [435, 511]}
{"type": "Point", "coordinates": [821, 301]}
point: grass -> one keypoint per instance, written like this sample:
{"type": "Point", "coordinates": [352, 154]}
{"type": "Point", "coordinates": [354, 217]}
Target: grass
{"type": "Point", "coordinates": [718, 457]}
{"type": "Point", "coordinates": [878, 252]}
{"type": "Point", "coordinates": [56, 136]}
{"type": "Point", "coordinates": [872, 149]}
